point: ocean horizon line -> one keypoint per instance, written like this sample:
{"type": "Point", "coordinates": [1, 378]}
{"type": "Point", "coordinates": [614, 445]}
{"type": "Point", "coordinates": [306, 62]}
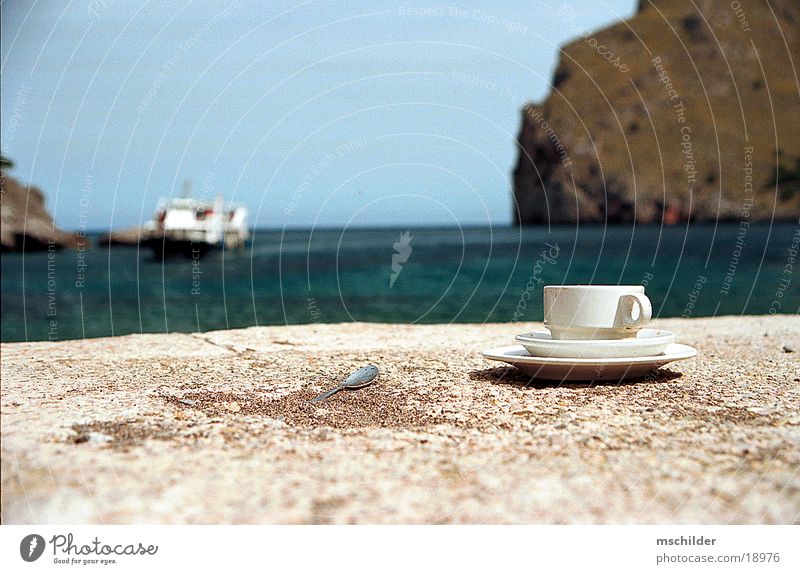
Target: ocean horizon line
{"type": "Point", "coordinates": [560, 226]}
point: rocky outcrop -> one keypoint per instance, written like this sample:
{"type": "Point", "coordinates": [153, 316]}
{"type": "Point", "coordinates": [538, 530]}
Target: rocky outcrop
{"type": "Point", "coordinates": [26, 225]}
{"type": "Point", "coordinates": [685, 111]}
{"type": "Point", "coordinates": [130, 236]}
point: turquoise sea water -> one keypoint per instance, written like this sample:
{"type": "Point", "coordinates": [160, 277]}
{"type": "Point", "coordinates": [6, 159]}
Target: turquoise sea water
{"type": "Point", "coordinates": [441, 276]}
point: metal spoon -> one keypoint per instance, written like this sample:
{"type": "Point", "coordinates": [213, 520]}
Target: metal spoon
{"type": "Point", "coordinates": [360, 378]}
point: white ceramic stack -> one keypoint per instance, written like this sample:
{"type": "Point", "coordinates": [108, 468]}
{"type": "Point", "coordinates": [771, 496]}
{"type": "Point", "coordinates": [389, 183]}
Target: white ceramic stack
{"type": "Point", "coordinates": [594, 332]}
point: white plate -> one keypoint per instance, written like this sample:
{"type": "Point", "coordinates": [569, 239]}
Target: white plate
{"type": "Point", "coordinates": [564, 369]}
{"type": "Point", "coordinates": [648, 342]}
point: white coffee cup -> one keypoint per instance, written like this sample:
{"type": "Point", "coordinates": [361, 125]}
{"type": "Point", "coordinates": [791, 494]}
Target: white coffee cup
{"type": "Point", "coordinates": [595, 311]}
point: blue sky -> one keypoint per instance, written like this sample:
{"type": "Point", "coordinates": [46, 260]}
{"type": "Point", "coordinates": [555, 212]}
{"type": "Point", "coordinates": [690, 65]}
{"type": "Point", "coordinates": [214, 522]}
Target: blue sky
{"type": "Point", "coordinates": [310, 113]}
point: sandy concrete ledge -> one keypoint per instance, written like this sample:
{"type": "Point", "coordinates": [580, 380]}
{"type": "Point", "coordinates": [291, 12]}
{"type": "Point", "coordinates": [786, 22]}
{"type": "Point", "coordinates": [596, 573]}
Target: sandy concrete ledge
{"type": "Point", "coordinates": [215, 427]}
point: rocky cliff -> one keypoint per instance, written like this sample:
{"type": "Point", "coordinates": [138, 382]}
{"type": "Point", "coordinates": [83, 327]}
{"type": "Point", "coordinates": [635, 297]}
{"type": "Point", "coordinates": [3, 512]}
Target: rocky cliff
{"type": "Point", "coordinates": [688, 110]}
{"type": "Point", "coordinates": [26, 225]}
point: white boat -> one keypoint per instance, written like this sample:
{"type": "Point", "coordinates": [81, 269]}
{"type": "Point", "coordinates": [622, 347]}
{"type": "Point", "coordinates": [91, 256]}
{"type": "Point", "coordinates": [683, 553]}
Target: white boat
{"type": "Point", "coordinates": [192, 227]}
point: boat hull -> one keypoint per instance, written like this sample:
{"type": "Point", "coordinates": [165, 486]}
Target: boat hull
{"type": "Point", "coordinates": [165, 247]}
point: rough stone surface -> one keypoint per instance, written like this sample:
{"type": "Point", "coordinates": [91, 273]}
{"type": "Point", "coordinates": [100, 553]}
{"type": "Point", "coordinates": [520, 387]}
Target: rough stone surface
{"type": "Point", "coordinates": [215, 428]}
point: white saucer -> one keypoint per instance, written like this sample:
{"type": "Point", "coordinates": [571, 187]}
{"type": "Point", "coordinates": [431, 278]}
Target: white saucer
{"type": "Point", "coordinates": [648, 342]}
{"type": "Point", "coordinates": [565, 369]}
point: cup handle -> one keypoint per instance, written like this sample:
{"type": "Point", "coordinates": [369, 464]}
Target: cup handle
{"type": "Point", "coordinates": [626, 306]}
